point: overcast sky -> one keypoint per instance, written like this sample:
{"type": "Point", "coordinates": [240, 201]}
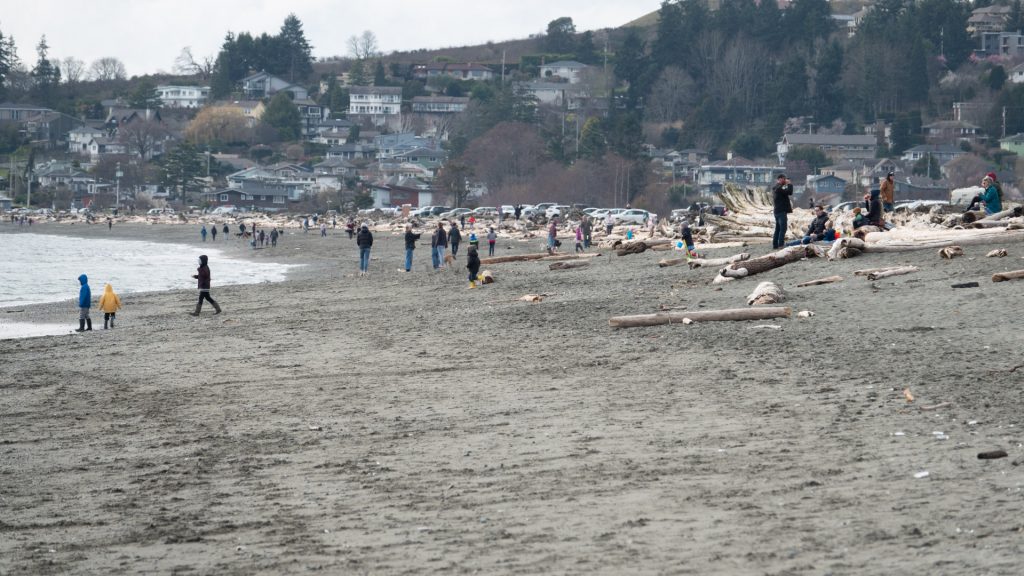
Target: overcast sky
{"type": "Point", "coordinates": [147, 35]}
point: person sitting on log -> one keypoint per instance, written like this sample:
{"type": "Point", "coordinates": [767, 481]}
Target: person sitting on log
{"type": "Point", "coordinates": [816, 230]}
{"type": "Point", "coordinates": [858, 218]}
{"type": "Point", "coordinates": [991, 196]}
{"type": "Point", "coordinates": [873, 203]}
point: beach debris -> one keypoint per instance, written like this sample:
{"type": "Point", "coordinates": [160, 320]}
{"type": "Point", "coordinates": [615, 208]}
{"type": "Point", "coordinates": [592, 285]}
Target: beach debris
{"type": "Point", "coordinates": [820, 281]}
{"type": "Point", "coordinates": [1004, 276]}
{"type": "Point", "coordinates": [486, 277]}
{"type": "Point", "coordinates": [892, 272]}
{"type": "Point", "coordinates": [315, 428]}
{"type": "Point", "coordinates": [997, 253]}
{"type": "Point", "coordinates": [516, 258]}
{"type": "Point", "coordinates": [950, 252]}
{"type": "Point", "coordinates": [992, 455]}
{"type": "Point", "coordinates": [965, 285]}
{"type": "Point", "coordinates": [568, 265]}
{"type": "Point", "coordinates": [921, 474]}
{"type": "Point", "coordinates": [766, 293]}
{"type": "Point", "coordinates": [936, 406]}
{"type": "Point", "coordinates": [767, 262]}
{"type": "Point", "coordinates": [735, 314]}
{"type": "Point", "coordinates": [804, 314]}
{"type": "Point", "coordinates": [704, 262]}
{"type": "Point", "coordinates": [765, 327]}
{"type": "Point", "coordinates": [908, 395]}
{"type": "Point", "coordinates": [940, 435]}
{"type": "Point", "coordinates": [533, 297]}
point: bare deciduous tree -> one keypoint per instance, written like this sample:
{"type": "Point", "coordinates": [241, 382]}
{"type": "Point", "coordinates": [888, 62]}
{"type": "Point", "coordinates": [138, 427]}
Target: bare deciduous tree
{"type": "Point", "coordinates": [187, 63]}
{"type": "Point", "coordinates": [364, 46]}
{"type": "Point", "coordinates": [671, 96]}
{"type": "Point", "coordinates": [219, 124]}
{"type": "Point", "coordinates": [142, 136]}
{"type": "Point", "coordinates": [72, 70]}
{"type": "Point", "coordinates": [106, 69]}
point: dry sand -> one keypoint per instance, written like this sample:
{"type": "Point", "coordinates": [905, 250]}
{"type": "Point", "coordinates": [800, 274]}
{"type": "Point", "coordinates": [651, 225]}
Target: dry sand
{"type": "Point", "coordinates": [402, 424]}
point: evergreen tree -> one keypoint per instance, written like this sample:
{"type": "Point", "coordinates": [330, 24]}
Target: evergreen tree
{"type": "Point", "coordinates": [298, 52]}
{"type": "Point", "coordinates": [8, 60]}
{"type": "Point", "coordinates": [181, 167]}
{"type": "Point", "coordinates": [586, 52]}
{"type": "Point", "coordinates": [283, 116]}
{"type": "Point", "coordinates": [357, 74]}
{"type": "Point", "coordinates": [593, 144]}
{"type": "Point", "coordinates": [380, 77]}
{"type": "Point", "coordinates": [560, 38]}
{"type": "Point", "coordinates": [828, 93]}
{"type": "Point", "coordinates": [669, 46]}
{"type": "Point", "coordinates": [45, 76]}
{"type": "Point", "coordinates": [145, 96]}
{"type": "Point", "coordinates": [631, 67]}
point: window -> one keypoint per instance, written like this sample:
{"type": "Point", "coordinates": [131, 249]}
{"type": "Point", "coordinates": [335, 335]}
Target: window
{"type": "Point", "coordinates": [223, 197]}
{"type": "Point", "coordinates": [278, 199]}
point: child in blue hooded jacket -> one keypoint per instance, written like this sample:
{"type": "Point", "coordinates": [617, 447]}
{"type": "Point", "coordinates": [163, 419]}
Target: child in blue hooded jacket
{"type": "Point", "coordinates": [84, 303]}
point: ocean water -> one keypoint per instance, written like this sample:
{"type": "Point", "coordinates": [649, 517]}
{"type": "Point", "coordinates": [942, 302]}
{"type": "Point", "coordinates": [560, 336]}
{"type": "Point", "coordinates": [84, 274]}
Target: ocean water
{"type": "Point", "coordinates": [37, 268]}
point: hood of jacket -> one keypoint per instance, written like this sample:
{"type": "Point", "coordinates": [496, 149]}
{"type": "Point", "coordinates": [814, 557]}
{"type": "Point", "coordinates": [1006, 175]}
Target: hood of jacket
{"type": "Point", "coordinates": [203, 260]}
{"type": "Point", "coordinates": [875, 193]}
{"type": "Point", "coordinates": [83, 279]}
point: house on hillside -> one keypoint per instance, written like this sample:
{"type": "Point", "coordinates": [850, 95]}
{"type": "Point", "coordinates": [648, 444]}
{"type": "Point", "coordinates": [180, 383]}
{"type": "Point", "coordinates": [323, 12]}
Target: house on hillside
{"type": "Point", "coordinates": [99, 147]}
{"type": "Point", "coordinates": [257, 195]}
{"type": "Point", "coordinates": [941, 152]}
{"type": "Point", "coordinates": [953, 131]}
{"type": "Point", "coordinates": [1005, 44]}
{"type": "Point", "coordinates": [468, 71]}
{"type": "Point", "coordinates": [379, 105]}
{"type": "Point", "coordinates": [311, 115]}
{"type": "Point", "coordinates": [564, 70]}
{"type": "Point", "coordinates": [44, 127]}
{"type": "Point", "coordinates": [79, 138]}
{"type": "Point", "coordinates": [824, 185]}
{"type": "Point", "coordinates": [183, 96]}
{"type": "Point", "coordinates": [992, 18]}
{"type": "Point", "coordinates": [711, 177]}
{"type": "Point", "coordinates": [921, 188]}
{"type": "Point", "coordinates": [837, 147]}
{"type": "Point", "coordinates": [1013, 143]}
{"type": "Point", "coordinates": [252, 109]}
{"type": "Point", "coordinates": [352, 151]}
{"type": "Point", "coordinates": [9, 111]}
{"type": "Point", "coordinates": [264, 85]}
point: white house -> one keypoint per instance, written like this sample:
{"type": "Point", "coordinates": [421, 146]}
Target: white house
{"type": "Point", "coordinates": [439, 104]}
{"type": "Point", "coordinates": [836, 146]}
{"type": "Point", "coordinates": [106, 147]}
{"type": "Point", "coordinates": [568, 70]}
{"type": "Point", "coordinates": [79, 139]}
{"type": "Point", "coordinates": [382, 105]}
{"type": "Point", "coordinates": [183, 96]}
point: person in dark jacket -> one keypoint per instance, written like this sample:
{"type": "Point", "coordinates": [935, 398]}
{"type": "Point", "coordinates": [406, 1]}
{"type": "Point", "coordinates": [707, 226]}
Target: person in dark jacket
{"type": "Point", "coordinates": [226, 231]}
{"type": "Point", "coordinates": [410, 245]}
{"type": "Point", "coordinates": [364, 239]}
{"type": "Point", "coordinates": [816, 230]}
{"type": "Point", "coordinates": [782, 207]}
{"type": "Point", "coordinates": [84, 303]}
{"type": "Point", "coordinates": [473, 265]}
{"type": "Point", "coordinates": [439, 243]}
{"type": "Point", "coordinates": [873, 202]}
{"type": "Point", "coordinates": [203, 276]}
{"type": "Point", "coordinates": [587, 227]}
{"type": "Point", "coordinates": [213, 232]}
{"type": "Point", "coordinates": [454, 239]}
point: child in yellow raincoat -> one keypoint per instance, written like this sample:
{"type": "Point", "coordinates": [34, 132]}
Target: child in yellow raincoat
{"type": "Point", "coordinates": [109, 304]}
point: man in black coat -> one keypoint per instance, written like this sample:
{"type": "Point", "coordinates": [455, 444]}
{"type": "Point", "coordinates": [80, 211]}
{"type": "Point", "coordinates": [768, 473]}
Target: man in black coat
{"type": "Point", "coordinates": [364, 239]}
{"type": "Point", "coordinates": [782, 207]}
{"type": "Point", "coordinates": [410, 245]}
{"type": "Point", "coordinates": [203, 276]}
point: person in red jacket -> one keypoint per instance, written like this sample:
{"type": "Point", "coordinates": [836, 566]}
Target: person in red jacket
{"type": "Point", "coordinates": [203, 276]}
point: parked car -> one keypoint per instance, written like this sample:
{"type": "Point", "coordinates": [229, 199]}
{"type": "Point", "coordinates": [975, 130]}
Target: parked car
{"type": "Point", "coordinates": [438, 210]}
{"type": "Point", "coordinates": [542, 208]}
{"type": "Point", "coordinates": [454, 213]}
{"type": "Point", "coordinates": [486, 211]}
{"type": "Point", "coordinates": [632, 216]}
{"type": "Point", "coordinates": [556, 210]}
{"type": "Point", "coordinates": [508, 210]}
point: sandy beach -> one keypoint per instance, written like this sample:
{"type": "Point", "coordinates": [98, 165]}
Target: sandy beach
{"type": "Point", "coordinates": [402, 424]}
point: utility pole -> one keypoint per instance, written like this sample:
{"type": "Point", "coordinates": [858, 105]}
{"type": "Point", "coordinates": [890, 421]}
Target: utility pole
{"type": "Point", "coordinates": [1004, 121]}
{"type": "Point", "coordinates": [117, 189]}
{"type": "Point", "coordinates": [503, 68]}
{"type": "Point", "coordinates": [28, 181]}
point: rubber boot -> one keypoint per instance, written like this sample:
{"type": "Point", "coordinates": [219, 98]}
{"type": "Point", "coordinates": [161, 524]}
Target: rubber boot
{"type": "Point", "coordinates": [472, 284]}
{"type": "Point", "coordinates": [199, 308]}
{"type": "Point", "coordinates": [106, 320]}
{"type": "Point", "coordinates": [111, 321]}
{"type": "Point", "coordinates": [81, 326]}
{"type": "Point", "coordinates": [216, 308]}
{"type": "Point", "coordinates": [88, 324]}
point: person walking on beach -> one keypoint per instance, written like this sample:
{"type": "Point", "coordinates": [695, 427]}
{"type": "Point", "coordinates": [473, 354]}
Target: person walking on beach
{"type": "Point", "coordinates": [454, 238]}
{"type": "Point", "coordinates": [202, 232]}
{"type": "Point", "coordinates": [323, 229]}
{"type": "Point", "coordinates": [518, 211]}
{"type": "Point", "coordinates": [109, 304]}
{"type": "Point", "coordinates": [579, 240]}
{"type": "Point", "coordinates": [84, 303]}
{"type": "Point", "coordinates": [213, 233]}
{"type": "Point", "coordinates": [350, 228]}
{"type": "Point", "coordinates": [887, 191]}
{"type": "Point", "coordinates": [553, 235]}
{"type": "Point", "coordinates": [305, 225]}
{"type": "Point", "coordinates": [782, 208]}
{"type": "Point", "coordinates": [491, 239]}
{"type": "Point", "coordinates": [364, 240]}
{"type": "Point", "coordinates": [203, 276]}
{"type": "Point", "coordinates": [263, 238]}
{"type": "Point", "coordinates": [439, 243]}
{"type": "Point", "coordinates": [110, 223]}
{"type": "Point", "coordinates": [226, 231]}
{"type": "Point", "coordinates": [273, 237]}
{"type": "Point", "coordinates": [473, 265]}
{"type": "Point", "coordinates": [588, 229]}
{"type": "Point", "coordinates": [410, 245]}
{"type": "Point", "coordinates": [609, 224]}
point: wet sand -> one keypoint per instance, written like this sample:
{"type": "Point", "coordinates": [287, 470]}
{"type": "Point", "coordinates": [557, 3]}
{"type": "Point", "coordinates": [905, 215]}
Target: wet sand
{"type": "Point", "coordinates": [402, 424]}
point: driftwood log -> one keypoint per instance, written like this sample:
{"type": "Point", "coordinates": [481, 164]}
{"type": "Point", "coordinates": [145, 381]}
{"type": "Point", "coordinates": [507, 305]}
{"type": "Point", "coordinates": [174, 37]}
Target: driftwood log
{"type": "Point", "coordinates": [702, 262]}
{"type": "Point", "coordinates": [735, 314]}
{"type": "Point", "coordinates": [997, 253]}
{"type": "Point", "coordinates": [892, 272]}
{"type": "Point", "coordinates": [516, 258]}
{"type": "Point", "coordinates": [820, 281]}
{"type": "Point", "coordinates": [950, 252]}
{"type": "Point", "coordinates": [486, 277]}
{"type": "Point", "coordinates": [561, 257]}
{"type": "Point", "coordinates": [766, 293]}
{"type": "Point", "coordinates": [765, 263]}
{"type": "Point", "coordinates": [869, 271]}
{"type": "Point", "coordinates": [848, 247]}
{"type": "Point", "coordinates": [568, 265]}
{"type": "Point", "coordinates": [1004, 276]}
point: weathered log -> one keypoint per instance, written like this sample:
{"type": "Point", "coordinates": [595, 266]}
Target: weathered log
{"type": "Point", "coordinates": [486, 277]}
{"type": "Point", "coordinates": [950, 252]}
{"type": "Point", "coordinates": [845, 248]}
{"type": "Point", "coordinates": [1004, 276]}
{"type": "Point", "coordinates": [735, 314]}
{"type": "Point", "coordinates": [997, 253]}
{"type": "Point", "coordinates": [1010, 213]}
{"type": "Point", "coordinates": [893, 272]}
{"type": "Point", "coordinates": [701, 262]}
{"type": "Point", "coordinates": [561, 257]}
{"type": "Point", "coordinates": [632, 248]}
{"type": "Point", "coordinates": [666, 262]}
{"type": "Point", "coordinates": [820, 281]}
{"type": "Point", "coordinates": [972, 216]}
{"type": "Point", "coordinates": [869, 271]}
{"type": "Point", "coordinates": [568, 265]}
{"type": "Point", "coordinates": [766, 293]}
{"type": "Point", "coordinates": [516, 258]}
{"type": "Point", "coordinates": [765, 263]}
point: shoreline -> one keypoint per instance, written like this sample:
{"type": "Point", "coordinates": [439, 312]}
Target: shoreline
{"type": "Point", "coordinates": [402, 423]}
